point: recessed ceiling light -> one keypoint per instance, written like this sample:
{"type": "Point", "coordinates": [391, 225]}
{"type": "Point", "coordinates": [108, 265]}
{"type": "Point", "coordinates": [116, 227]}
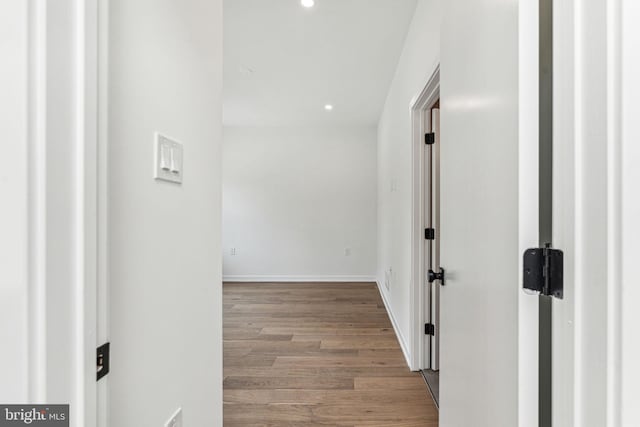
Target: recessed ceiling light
{"type": "Point", "coordinates": [307, 3]}
{"type": "Point", "coordinates": [328, 107]}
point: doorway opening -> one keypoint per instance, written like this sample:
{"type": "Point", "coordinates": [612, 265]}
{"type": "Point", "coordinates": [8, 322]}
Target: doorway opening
{"type": "Point", "coordinates": [425, 111]}
{"type": "Point", "coordinates": [432, 243]}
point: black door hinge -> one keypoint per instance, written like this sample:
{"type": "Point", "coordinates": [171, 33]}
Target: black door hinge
{"type": "Point", "coordinates": [429, 233]}
{"type": "Point", "coordinates": [543, 271]}
{"type": "Point", "coordinates": [103, 360]}
{"type": "Point", "coordinates": [429, 329]}
{"type": "Point", "coordinates": [430, 138]}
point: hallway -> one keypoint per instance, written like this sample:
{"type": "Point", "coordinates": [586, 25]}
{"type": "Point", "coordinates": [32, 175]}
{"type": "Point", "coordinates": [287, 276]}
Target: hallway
{"type": "Point", "coordinates": [316, 354]}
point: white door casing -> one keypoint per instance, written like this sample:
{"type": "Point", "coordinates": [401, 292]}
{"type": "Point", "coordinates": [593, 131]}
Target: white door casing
{"type": "Point", "coordinates": [102, 179]}
{"type": "Point", "coordinates": [624, 316]}
{"type": "Point", "coordinates": [56, 104]}
{"type": "Point", "coordinates": [420, 300]}
{"type": "Point", "coordinates": [595, 212]}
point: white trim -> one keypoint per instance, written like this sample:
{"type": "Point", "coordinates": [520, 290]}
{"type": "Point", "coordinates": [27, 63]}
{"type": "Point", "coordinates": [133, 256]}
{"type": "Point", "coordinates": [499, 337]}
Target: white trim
{"type": "Point", "coordinates": [614, 213]}
{"type": "Point", "coordinates": [61, 211]}
{"type": "Point", "coordinates": [627, 371]}
{"type": "Point", "coordinates": [528, 208]}
{"type": "Point", "coordinates": [417, 310]}
{"type": "Point", "coordinates": [396, 328]}
{"type": "Point", "coordinates": [37, 177]}
{"type": "Point", "coordinates": [589, 205]}
{"type": "Point", "coordinates": [102, 292]}
{"type": "Point", "coordinates": [563, 207]}
{"type": "Point", "coordinates": [86, 120]}
{"type": "Point", "coordinates": [278, 279]}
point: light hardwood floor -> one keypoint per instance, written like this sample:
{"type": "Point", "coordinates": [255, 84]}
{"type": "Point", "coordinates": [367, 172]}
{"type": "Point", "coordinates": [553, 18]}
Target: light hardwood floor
{"type": "Point", "coordinates": [316, 354]}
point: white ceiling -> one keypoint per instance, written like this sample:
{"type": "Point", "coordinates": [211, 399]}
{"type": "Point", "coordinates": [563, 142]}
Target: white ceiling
{"type": "Point", "coordinates": [284, 62]}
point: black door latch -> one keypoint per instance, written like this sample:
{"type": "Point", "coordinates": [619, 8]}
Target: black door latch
{"type": "Point", "coordinates": [543, 271]}
{"type": "Point", "coordinates": [103, 361]}
{"type": "Point", "coordinates": [433, 276]}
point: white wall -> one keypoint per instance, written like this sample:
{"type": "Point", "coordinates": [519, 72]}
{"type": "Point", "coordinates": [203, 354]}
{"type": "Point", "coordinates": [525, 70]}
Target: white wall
{"type": "Point", "coordinates": [165, 75]}
{"type": "Point", "coordinates": [419, 59]}
{"type": "Point", "coordinates": [295, 198]}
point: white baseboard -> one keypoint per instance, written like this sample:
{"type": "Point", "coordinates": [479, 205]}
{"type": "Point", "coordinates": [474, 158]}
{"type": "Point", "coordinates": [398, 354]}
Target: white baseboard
{"type": "Point", "coordinates": [288, 279]}
{"type": "Point", "coordinates": [401, 340]}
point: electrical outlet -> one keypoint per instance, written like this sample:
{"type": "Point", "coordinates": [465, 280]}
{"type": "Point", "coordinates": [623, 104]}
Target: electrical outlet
{"type": "Point", "coordinates": [233, 252]}
{"type": "Point", "coordinates": [347, 251]}
{"type": "Point", "coordinates": [386, 280]}
{"type": "Point", "coordinates": [388, 276]}
{"type": "Point", "coordinates": [175, 420]}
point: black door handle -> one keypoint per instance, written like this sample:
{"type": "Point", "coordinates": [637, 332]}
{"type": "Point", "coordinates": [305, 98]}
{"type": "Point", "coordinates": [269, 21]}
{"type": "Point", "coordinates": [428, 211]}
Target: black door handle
{"type": "Point", "coordinates": [433, 276]}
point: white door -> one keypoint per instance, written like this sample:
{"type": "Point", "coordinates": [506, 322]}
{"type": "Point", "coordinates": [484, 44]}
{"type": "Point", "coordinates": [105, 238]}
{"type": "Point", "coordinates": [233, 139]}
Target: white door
{"type": "Point", "coordinates": [434, 220]}
{"type": "Point", "coordinates": [482, 179]}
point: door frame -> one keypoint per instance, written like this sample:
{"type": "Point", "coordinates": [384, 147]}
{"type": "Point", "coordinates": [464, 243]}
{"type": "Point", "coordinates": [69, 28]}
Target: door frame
{"type": "Point", "coordinates": [62, 235]}
{"type": "Point", "coordinates": [595, 211]}
{"type": "Point", "coordinates": [88, 163]}
{"type": "Point", "coordinates": [101, 187]}
{"type": "Point", "coordinates": [419, 126]}
{"type": "Point", "coordinates": [87, 192]}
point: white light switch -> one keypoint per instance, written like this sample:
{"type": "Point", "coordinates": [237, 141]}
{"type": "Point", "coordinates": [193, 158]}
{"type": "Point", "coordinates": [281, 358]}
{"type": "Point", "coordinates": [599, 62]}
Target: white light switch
{"type": "Point", "coordinates": [175, 420]}
{"type": "Point", "coordinates": [176, 160]}
{"type": "Point", "coordinates": [165, 157]}
{"type": "Point", "coordinates": [168, 159]}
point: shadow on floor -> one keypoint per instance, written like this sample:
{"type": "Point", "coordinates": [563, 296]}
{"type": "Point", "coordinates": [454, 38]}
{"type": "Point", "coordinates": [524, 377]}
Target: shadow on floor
{"type": "Point", "coordinates": [432, 378]}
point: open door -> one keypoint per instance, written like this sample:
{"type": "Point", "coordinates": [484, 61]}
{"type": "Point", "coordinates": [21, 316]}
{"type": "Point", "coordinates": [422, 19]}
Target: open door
{"type": "Point", "coordinates": [489, 213]}
{"type": "Point", "coordinates": [430, 280]}
{"type": "Point", "coordinates": [435, 220]}
{"type": "Point", "coordinates": [433, 212]}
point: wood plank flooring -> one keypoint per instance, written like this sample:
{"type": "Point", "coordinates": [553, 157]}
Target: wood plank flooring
{"type": "Point", "coordinates": [316, 354]}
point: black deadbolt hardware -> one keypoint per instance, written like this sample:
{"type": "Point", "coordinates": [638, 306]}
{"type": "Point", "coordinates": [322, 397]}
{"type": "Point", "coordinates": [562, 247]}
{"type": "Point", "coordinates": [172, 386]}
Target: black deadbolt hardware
{"type": "Point", "coordinates": [103, 361]}
{"type": "Point", "coordinates": [543, 271]}
{"type": "Point", "coordinates": [433, 276]}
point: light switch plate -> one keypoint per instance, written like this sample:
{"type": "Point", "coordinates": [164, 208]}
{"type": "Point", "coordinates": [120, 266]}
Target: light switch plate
{"type": "Point", "coordinates": [167, 159]}
{"type": "Point", "coordinates": [175, 420]}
